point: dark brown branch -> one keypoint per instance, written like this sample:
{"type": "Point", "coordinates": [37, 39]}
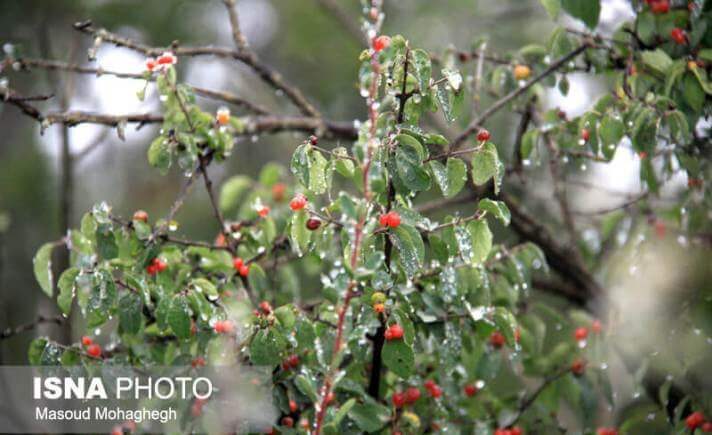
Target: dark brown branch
{"type": "Point", "coordinates": [476, 123]}
{"type": "Point", "coordinates": [211, 194]}
{"type": "Point", "coordinates": [10, 332]}
{"type": "Point", "coordinates": [9, 96]}
{"type": "Point", "coordinates": [529, 401]}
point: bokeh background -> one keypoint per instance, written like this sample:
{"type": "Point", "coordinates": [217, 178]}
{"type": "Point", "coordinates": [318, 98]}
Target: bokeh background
{"type": "Point", "coordinates": [316, 52]}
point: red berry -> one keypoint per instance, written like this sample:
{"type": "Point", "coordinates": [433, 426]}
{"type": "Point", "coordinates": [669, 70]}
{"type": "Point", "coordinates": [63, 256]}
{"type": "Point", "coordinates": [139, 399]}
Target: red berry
{"type": "Point", "coordinates": [679, 36]}
{"type": "Point", "coordinates": [394, 220]}
{"type": "Point", "coordinates": [429, 384]}
{"type": "Point", "coordinates": [278, 191]}
{"type": "Point", "coordinates": [244, 270]}
{"type": "Point", "coordinates": [394, 332]}
{"type": "Point", "coordinates": [140, 215]}
{"type": "Point", "coordinates": [151, 269]}
{"type": "Point", "coordinates": [198, 362]}
{"type": "Point", "coordinates": [470, 390]}
{"type": "Point", "coordinates": [660, 7]}
{"type": "Point", "coordinates": [383, 220]}
{"type": "Point", "coordinates": [167, 58]}
{"type": "Point", "coordinates": [266, 307]}
{"type": "Point", "coordinates": [483, 135]}
{"type": "Point", "coordinates": [94, 350]}
{"type": "Point", "coordinates": [313, 140]}
{"type": "Point", "coordinates": [381, 42]}
{"type": "Point", "coordinates": [578, 367]}
{"type": "Point", "coordinates": [293, 406]}
{"type": "Point", "coordinates": [293, 361]}
{"type": "Point", "coordinates": [596, 326]}
{"type": "Point", "coordinates": [398, 399]}
{"type": "Point", "coordinates": [288, 421]}
{"type": "Point", "coordinates": [298, 202]}
{"type": "Point", "coordinates": [585, 135]}
{"type": "Point", "coordinates": [86, 341]}
{"type": "Point", "coordinates": [436, 392]}
{"type": "Point", "coordinates": [694, 420]}
{"type": "Point", "coordinates": [313, 224]}
{"type": "Point", "coordinates": [263, 211]}
{"type": "Point", "coordinates": [412, 395]}
{"type": "Point", "coordinates": [117, 430]}
{"type": "Point", "coordinates": [606, 431]}
{"type": "Point", "coordinates": [237, 263]}
{"type": "Point", "coordinates": [502, 432]}
{"type": "Point", "coordinates": [151, 64]}
{"type": "Point", "coordinates": [660, 229]}
{"type": "Point", "coordinates": [707, 427]}
{"type": "Point", "coordinates": [580, 333]}
{"type": "Point", "coordinates": [497, 339]}
{"type": "Point", "coordinates": [516, 430]}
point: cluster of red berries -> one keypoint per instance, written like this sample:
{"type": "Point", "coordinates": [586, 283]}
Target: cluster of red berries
{"type": "Point", "coordinates": [162, 62]}
{"type": "Point", "coordinates": [224, 327]}
{"type": "Point", "coordinates": [433, 388]}
{"type": "Point", "coordinates": [390, 220]}
{"type": "Point", "coordinates": [606, 431]}
{"type": "Point", "coordinates": [298, 202]}
{"type": "Point", "coordinates": [658, 6]}
{"type": "Point", "coordinates": [156, 266]}
{"type": "Point", "coordinates": [381, 42]}
{"type": "Point", "coordinates": [410, 396]}
{"type": "Point", "coordinates": [198, 361]}
{"type": "Point", "coordinates": [697, 420]}
{"type": "Point", "coordinates": [394, 332]}
{"type": "Point", "coordinates": [679, 36]}
{"type": "Point", "coordinates": [292, 362]}
{"type": "Point", "coordinates": [516, 430]}
{"type": "Point", "coordinates": [239, 265]}
{"type": "Point", "coordinates": [497, 340]}
{"type": "Point", "coordinates": [483, 135]}
{"type": "Point", "coordinates": [93, 349]}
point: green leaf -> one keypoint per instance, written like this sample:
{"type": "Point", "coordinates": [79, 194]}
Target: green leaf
{"type": "Point", "coordinates": [266, 347]}
{"type": "Point", "coordinates": [587, 11]}
{"type": "Point", "coordinates": [270, 174]}
{"type": "Point", "coordinates": [317, 172]}
{"type": "Point", "coordinates": [693, 92]}
{"type": "Point", "coordinates": [423, 68]}
{"type": "Point", "coordinates": [285, 315]}
{"type": "Point", "coordinates": [611, 132]}
{"type": "Point", "coordinates": [65, 284]}
{"type": "Point", "coordinates": [370, 416]}
{"type": "Point", "coordinates": [258, 279]}
{"type": "Point", "coordinates": [409, 164]}
{"type": "Point", "coordinates": [451, 178]}
{"type": "Point", "coordinates": [178, 316]}
{"type": "Point", "coordinates": [481, 240]}
{"type": "Point", "coordinates": [343, 165]}
{"type": "Point", "coordinates": [233, 191]}
{"type": "Point", "coordinates": [205, 287]}
{"type": "Point", "coordinates": [42, 264]}
{"type": "Point", "coordinates": [399, 358]}
{"type": "Point", "coordinates": [529, 141]}
{"type": "Point", "coordinates": [485, 164]}
{"type": "Point", "coordinates": [34, 352]}
{"type": "Point", "coordinates": [106, 245]}
{"type": "Point", "coordinates": [410, 248]}
{"type": "Point", "coordinates": [159, 154]}
{"type": "Point", "coordinates": [300, 164]}
{"type": "Point", "coordinates": [498, 209]}
{"type": "Point", "coordinates": [299, 235]}
{"type": "Point", "coordinates": [454, 78]}
{"type": "Point", "coordinates": [130, 313]}
{"type": "Point", "coordinates": [306, 386]}
{"type": "Point", "coordinates": [505, 322]}
{"type": "Point", "coordinates": [553, 7]}
{"type": "Point", "coordinates": [657, 60]}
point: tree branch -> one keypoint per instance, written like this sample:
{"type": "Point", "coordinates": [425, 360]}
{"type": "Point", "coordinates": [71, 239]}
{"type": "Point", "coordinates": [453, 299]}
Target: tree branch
{"type": "Point", "coordinates": [476, 123]}
{"type": "Point", "coordinates": [10, 332]}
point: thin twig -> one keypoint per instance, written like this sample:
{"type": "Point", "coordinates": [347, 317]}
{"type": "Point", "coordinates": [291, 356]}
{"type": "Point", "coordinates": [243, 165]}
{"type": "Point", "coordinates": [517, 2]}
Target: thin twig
{"type": "Point", "coordinates": [10, 332]}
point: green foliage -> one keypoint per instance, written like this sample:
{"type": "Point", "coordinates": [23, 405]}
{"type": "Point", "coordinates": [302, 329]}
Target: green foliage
{"type": "Point", "coordinates": [451, 283]}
